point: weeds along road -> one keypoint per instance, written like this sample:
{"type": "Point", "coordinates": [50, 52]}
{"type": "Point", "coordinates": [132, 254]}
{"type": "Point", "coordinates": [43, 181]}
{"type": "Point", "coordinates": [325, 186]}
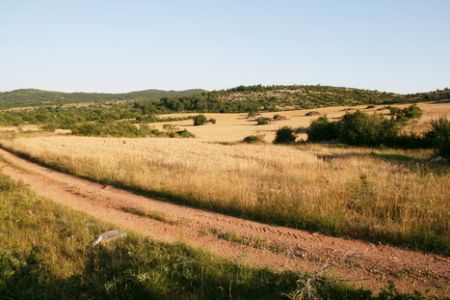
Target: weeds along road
{"type": "Point", "coordinates": [358, 263]}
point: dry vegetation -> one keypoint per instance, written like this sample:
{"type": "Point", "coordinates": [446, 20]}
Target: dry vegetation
{"type": "Point", "coordinates": [386, 195]}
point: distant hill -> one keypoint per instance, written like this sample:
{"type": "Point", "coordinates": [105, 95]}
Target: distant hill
{"type": "Point", "coordinates": [280, 97]}
{"type": "Point", "coordinates": [239, 99]}
{"type": "Point", "coordinates": [33, 97]}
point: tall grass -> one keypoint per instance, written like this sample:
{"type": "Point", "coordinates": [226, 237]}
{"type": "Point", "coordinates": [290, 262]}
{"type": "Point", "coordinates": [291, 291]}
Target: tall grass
{"type": "Point", "coordinates": [389, 196]}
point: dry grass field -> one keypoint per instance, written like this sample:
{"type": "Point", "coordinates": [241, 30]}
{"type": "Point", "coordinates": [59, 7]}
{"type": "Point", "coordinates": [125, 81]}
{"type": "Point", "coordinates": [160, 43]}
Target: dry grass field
{"type": "Point", "coordinates": [234, 127]}
{"type": "Point", "coordinates": [384, 195]}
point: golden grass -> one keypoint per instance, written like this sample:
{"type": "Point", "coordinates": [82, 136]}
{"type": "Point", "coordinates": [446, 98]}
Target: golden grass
{"type": "Point", "coordinates": [387, 195]}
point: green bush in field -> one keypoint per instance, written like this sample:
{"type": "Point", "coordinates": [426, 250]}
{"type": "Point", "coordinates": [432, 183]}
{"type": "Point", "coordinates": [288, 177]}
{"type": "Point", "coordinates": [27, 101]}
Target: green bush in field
{"type": "Point", "coordinates": [439, 136]}
{"type": "Point", "coordinates": [185, 133]}
{"type": "Point", "coordinates": [254, 139]}
{"type": "Point", "coordinates": [252, 114]}
{"type": "Point", "coordinates": [322, 129]}
{"type": "Point", "coordinates": [262, 121]}
{"type": "Point", "coordinates": [113, 129]}
{"type": "Point", "coordinates": [366, 130]}
{"type": "Point", "coordinates": [406, 114]}
{"type": "Point", "coordinates": [285, 135]}
{"type": "Point", "coordinates": [50, 127]}
{"type": "Point", "coordinates": [200, 120]}
{"type": "Point", "coordinates": [278, 117]}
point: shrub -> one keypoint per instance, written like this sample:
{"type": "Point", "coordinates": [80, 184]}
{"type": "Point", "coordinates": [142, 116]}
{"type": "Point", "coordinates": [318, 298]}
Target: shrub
{"type": "Point", "coordinates": [169, 127]}
{"type": "Point", "coordinates": [114, 129]}
{"type": "Point", "coordinates": [49, 127]}
{"type": "Point", "coordinates": [279, 117]}
{"type": "Point", "coordinates": [199, 120]}
{"type": "Point", "coordinates": [285, 135]}
{"type": "Point", "coordinates": [370, 106]}
{"type": "Point", "coordinates": [262, 121]}
{"type": "Point", "coordinates": [366, 130]}
{"type": "Point", "coordinates": [405, 114]}
{"type": "Point", "coordinates": [312, 113]}
{"type": "Point", "coordinates": [254, 139]}
{"type": "Point", "coordinates": [252, 114]}
{"type": "Point", "coordinates": [185, 133]}
{"type": "Point", "coordinates": [439, 136]}
{"type": "Point", "coordinates": [212, 121]}
{"type": "Point", "coordinates": [322, 130]}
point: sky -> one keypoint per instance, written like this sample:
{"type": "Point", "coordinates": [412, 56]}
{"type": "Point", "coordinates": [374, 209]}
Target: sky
{"type": "Point", "coordinates": [119, 46]}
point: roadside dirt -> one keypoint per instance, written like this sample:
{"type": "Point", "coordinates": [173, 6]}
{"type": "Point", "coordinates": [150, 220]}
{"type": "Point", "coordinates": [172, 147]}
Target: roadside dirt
{"type": "Point", "coordinates": [355, 262]}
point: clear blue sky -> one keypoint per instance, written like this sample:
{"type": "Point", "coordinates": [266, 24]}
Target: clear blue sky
{"type": "Point", "coordinates": [117, 46]}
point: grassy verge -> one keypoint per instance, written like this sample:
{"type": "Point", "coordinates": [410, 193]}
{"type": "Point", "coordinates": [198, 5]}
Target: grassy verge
{"type": "Point", "coordinates": [46, 254]}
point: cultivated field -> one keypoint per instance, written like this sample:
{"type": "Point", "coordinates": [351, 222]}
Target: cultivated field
{"type": "Point", "coordinates": [383, 195]}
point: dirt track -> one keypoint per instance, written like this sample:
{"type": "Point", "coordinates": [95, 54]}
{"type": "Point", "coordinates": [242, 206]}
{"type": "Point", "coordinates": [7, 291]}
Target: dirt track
{"type": "Point", "coordinates": [358, 263]}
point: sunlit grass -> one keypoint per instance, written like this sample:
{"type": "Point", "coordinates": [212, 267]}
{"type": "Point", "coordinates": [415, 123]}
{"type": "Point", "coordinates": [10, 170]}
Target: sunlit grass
{"type": "Point", "coordinates": [385, 195]}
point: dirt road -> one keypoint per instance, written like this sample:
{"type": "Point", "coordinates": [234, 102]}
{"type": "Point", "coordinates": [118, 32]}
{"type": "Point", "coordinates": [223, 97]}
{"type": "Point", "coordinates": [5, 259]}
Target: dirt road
{"type": "Point", "coordinates": [358, 263]}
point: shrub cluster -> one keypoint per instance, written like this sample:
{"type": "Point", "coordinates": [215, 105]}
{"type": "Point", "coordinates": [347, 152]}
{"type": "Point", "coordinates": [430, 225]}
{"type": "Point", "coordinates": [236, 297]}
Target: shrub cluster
{"type": "Point", "coordinates": [356, 128]}
{"type": "Point", "coordinates": [366, 130]}
{"type": "Point", "coordinates": [361, 129]}
{"type": "Point", "coordinates": [262, 121]}
{"type": "Point", "coordinates": [285, 135]}
{"type": "Point", "coordinates": [406, 114]}
{"type": "Point", "coordinates": [254, 139]}
{"type": "Point", "coordinates": [114, 129]}
{"type": "Point", "coordinates": [279, 117]}
{"type": "Point", "coordinates": [439, 136]}
{"type": "Point", "coordinates": [125, 129]}
{"type": "Point", "coordinates": [322, 130]}
{"type": "Point", "coordinates": [202, 120]}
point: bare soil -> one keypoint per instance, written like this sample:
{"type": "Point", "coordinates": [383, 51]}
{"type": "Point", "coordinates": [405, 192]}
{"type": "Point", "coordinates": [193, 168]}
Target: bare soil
{"type": "Point", "coordinates": [358, 263]}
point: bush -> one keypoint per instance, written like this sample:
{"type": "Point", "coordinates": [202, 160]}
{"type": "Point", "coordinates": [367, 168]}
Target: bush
{"type": "Point", "coordinates": [114, 129]}
{"type": "Point", "coordinates": [279, 117]}
{"type": "Point", "coordinates": [252, 114]}
{"type": "Point", "coordinates": [285, 135]}
{"type": "Point", "coordinates": [185, 134]}
{"type": "Point", "coordinates": [312, 113]}
{"type": "Point", "coordinates": [199, 120]}
{"type": "Point", "coordinates": [169, 127]}
{"type": "Point", "coordinates": [322, 129]}
{"type": "Point", "coordinates": [50, 127]}
{"type": "Point", "coordinates": [405, 114]}
{"type": "Point", "coordinates": [439, 136]}
{"type": "Point", "coordinates": [366, 130]}
{"type": "Point", "coordinates": [262, 121]}
{"type": "Point", "coordinates": [370, 106]}
{"type": "Point", "coordinates": [212, 121]}
{"type": "Point", "coordinates": [254, 139]}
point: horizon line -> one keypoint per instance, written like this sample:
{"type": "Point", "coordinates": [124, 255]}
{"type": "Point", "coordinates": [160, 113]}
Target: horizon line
{"type": "Point", "coordinates": [212, 90]}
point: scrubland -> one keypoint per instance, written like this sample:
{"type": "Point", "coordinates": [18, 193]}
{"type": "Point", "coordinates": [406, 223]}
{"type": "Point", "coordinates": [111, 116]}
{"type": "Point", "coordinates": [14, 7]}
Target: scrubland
{"type": "Point", "coordinates": [395, 196]}
{"type": "Point", "coordinates": [234, 127]}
